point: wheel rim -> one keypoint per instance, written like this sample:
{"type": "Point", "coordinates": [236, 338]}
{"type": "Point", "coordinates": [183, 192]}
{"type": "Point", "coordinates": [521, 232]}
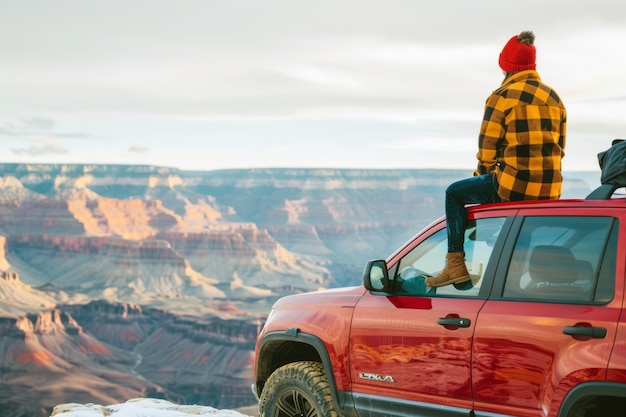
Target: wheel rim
{"type": "Point", "coordinates": [293, 403]}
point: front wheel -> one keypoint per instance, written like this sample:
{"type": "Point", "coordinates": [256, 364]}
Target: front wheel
{"type": "Point", "coordinates": [297, 389]}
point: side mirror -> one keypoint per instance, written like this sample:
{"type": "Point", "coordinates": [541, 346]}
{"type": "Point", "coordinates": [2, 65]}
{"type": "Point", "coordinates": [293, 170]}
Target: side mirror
{"type": "Point", "coordinates": [375, 275]}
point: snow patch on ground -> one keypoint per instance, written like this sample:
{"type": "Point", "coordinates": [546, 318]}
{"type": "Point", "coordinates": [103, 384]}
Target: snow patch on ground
{"type": "Point", "coordinates": [140, 407]}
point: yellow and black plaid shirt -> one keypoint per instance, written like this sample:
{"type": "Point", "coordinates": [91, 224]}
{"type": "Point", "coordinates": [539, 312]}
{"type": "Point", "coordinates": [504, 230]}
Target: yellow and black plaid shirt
{"type": "Point", "coordinates": [522, 138]}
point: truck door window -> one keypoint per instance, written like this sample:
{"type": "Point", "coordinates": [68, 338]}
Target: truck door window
{"type": "Point", "coordinates": [565, 258]}
{"type": "Point", "coordinates": [428, 259]}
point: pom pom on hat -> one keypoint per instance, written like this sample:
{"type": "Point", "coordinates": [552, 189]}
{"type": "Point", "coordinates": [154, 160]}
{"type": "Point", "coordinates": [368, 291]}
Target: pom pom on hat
{"type": "Point", "coordinates": [519, 53]}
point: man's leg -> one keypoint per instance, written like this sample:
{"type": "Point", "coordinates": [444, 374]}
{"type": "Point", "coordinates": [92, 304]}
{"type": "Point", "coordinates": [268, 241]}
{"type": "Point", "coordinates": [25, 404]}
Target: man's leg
{"type": "Point", "coordinates": [475, 190]}
{"type": "Point", "coordinates": [481, 189]}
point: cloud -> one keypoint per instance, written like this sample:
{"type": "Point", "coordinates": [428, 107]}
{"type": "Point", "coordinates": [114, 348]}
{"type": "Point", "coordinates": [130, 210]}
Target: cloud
{"type": "Point", "coordinates": [138, 149]}
{"type": "Point", "coordinates": [44, 149]}
{"type": "Point", "coordinates": [33, 128]}
{"type": "Point", "coordinates": [421, 69]}
{"type": "Point", "coordinates": [39, 123]}
{"type": "Point", "coordinates": [26, 126]}
{"type": "Point", "coordinates": [36, 136]}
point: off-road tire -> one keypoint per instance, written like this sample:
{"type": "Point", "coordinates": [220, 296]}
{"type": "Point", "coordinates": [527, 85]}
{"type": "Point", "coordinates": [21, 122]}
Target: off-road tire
{"type": "Point", "coordinates": [297, 389]}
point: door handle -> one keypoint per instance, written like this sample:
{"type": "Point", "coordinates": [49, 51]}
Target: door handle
{"type": "Point", "coordinates": [454, 321]}
{"type": "Point", "coordinates": [592, 332]}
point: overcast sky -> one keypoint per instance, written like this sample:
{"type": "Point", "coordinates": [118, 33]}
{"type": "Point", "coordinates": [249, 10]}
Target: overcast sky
{"type": "Point", "coordinates": [207, 84]}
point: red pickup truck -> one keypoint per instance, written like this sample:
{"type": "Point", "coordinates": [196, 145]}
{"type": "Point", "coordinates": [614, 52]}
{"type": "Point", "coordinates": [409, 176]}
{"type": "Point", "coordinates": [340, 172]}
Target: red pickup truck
{"type": "Point", "coordinates": [540, 331]}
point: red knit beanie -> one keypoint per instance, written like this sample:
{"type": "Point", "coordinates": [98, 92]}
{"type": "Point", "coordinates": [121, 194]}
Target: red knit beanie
{"type": "Point", "coordinates": [519, 53]}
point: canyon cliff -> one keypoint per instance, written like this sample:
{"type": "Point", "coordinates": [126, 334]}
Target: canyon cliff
{"type": "Point", "coordinates": [126, 281]}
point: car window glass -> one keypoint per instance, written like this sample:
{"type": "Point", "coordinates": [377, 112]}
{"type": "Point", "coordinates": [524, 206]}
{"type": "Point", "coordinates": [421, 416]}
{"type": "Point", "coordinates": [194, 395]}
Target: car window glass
{"type": "Point", "coordinates": [605, 290]}
{"type": "Point", "coordinates": [559, 259]}
{"type": "Point", "coordinates": [428, 259]}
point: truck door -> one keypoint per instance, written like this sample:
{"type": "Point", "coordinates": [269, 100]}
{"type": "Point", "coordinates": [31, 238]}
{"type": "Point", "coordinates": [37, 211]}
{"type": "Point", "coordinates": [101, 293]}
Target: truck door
{"type": "Point", "coordinates": [410, 348]}
{"type": "Point", "coordinates": [552, 320]}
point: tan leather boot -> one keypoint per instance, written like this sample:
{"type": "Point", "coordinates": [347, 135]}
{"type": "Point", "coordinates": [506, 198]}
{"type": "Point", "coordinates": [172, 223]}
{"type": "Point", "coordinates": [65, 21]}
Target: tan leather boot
{"type": "Point", "coordinates": [454, 272]}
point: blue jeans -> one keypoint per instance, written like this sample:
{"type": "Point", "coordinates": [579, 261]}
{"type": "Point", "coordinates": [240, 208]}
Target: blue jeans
{"type": "Point", "coordinates": [480, 189]}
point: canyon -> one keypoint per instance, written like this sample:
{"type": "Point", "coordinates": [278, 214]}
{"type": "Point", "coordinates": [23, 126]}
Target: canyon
{"type": "Point", "coordinates": [119, 282]}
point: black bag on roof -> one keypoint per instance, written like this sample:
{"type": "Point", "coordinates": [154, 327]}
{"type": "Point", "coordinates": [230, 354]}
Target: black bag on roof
{"type": "Point", "coordinates": [613, 163]}
{"type": "Point", "coordinates": [613, 166]}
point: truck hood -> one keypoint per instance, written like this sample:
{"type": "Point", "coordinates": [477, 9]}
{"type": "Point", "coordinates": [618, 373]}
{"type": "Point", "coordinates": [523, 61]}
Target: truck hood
{"type": "Point", "coordinates": [338, 297]}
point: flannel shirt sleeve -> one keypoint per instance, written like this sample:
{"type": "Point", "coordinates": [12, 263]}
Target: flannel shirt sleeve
{"type": "Point", "coordinates": [492, 131]}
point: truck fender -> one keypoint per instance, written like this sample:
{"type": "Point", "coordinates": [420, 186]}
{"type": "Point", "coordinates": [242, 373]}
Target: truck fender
{"type": "Point", "coordinates": [285, 343]}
